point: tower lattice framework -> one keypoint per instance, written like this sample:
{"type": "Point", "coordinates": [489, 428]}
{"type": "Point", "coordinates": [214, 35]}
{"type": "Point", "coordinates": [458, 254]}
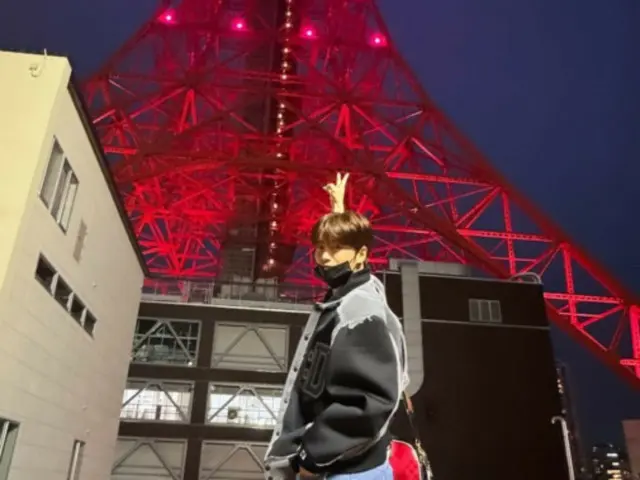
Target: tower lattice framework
{"type": "Point", "coordinates": [222, 119]}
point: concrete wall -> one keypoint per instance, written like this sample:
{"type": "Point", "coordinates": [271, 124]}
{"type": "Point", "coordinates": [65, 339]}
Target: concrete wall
{"type": "Point", "coordinates": [56, 380]}
{"type": "Point", "coordinates": [25, 111]}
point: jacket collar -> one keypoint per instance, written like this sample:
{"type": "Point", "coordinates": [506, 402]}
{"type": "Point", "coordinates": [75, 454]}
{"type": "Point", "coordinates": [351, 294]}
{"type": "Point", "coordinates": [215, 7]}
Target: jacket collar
{"type": "Point", "coordinates": [357, 279]}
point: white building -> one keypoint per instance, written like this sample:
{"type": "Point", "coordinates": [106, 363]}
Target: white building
{"type": "Point", "coordinates": [70, 281]}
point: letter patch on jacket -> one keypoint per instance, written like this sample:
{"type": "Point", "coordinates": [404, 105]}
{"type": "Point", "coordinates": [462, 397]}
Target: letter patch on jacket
{"type": "Point", "coordinates": [312, 378]}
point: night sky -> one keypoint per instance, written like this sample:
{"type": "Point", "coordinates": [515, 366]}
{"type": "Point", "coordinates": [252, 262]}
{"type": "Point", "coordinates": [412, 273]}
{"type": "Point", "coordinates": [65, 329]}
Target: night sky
{"type": "Point", "coordinates": [548, 89]}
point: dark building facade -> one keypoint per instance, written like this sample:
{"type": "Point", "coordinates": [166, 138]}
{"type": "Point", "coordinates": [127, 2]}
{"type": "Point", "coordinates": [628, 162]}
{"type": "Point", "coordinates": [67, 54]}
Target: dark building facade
{"type": "Point", "coordinates": [609, 462]}
{"type": "Point", "coordinates": [208, 365]}
{"type": "Point", "coordinates": [565, 386]}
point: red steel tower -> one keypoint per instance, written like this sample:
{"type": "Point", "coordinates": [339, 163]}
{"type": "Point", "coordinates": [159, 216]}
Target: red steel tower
{"type": "Point", "coordinates": [222, 120]}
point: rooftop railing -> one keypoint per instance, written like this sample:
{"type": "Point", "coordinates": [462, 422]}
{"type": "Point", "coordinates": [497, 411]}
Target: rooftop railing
{"type": "Point", "coordinates": [185, 291]}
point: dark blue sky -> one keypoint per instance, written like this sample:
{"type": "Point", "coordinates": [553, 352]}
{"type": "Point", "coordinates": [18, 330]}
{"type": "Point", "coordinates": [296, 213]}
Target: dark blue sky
{"type": "Point", "coordinates": [548, 89]}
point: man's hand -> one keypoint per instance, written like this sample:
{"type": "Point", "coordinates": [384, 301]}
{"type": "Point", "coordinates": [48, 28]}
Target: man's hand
{"type": "Point", "coordinates": [305, 473]}
{"type": "Point", "coordinates": [336, 192]}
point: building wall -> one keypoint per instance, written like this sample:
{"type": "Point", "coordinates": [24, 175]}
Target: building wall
{"type": "Point", "coordinates": [226, 362]}
{"type": "Point", "coordinates": [59, 382]}
{"type": "Point", "coordinates": [484, 396]}
{"type": "Point", "coordinates": [631, 429]}
{"type": "Point", "coordinates": [25, 112]}
{"type": "Point", "coordinates": [490, 388]}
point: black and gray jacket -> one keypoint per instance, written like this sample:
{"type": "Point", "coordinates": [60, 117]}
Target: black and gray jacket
{"type": "Point", "coordinates": [343, 387]}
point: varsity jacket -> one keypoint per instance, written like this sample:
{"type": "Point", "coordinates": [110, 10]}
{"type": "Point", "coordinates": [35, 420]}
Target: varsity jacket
{"type": "Point", "coordinates": [344, 385]}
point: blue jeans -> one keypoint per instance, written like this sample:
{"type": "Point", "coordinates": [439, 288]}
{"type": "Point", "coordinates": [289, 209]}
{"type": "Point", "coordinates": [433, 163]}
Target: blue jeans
{"type": "Point", "coordinates": [383, 472]}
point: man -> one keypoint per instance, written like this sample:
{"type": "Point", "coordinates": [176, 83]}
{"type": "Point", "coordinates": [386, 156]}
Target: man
{"type": "Point", "coordinates": [350, 368]}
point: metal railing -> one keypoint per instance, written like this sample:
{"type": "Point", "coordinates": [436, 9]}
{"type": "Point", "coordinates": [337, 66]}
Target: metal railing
{"type": "Point", "coordinates": [186, 291]}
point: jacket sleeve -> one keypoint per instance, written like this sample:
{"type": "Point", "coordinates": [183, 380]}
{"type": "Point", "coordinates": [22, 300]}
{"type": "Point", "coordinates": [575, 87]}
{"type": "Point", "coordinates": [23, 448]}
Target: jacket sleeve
{"type": "Point", "coordinates": [363, 388]}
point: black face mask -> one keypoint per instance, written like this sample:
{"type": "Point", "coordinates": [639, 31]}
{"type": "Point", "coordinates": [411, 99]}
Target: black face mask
{"type": "Point", "coordinates": [335, 276]}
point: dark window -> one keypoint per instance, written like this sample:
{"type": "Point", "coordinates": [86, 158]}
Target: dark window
{"type": "Point", "coordinates": [89, 322]}
{"type": "Point", "coordinates": [45, 273]}
{"type": "Point", "coordinates": [62, 293]}
{"type": "Point", "coordinates": [77, 308]}
{"type": "Point", "coordinates": [57, 287]}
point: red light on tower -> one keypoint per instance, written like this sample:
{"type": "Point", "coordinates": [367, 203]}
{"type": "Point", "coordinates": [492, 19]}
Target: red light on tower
{"type": "Point", "coordinates": [378, 40]}
{"type": "Point", "coordinates": [168, 17]}
{"type": "Point", "coordinates": [239, 25]}
{"type": "Point", "coordinates": [308, 32]}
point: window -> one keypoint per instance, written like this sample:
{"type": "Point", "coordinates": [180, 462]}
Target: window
{"type": "Point", "coordinates": [45, 273]}
{"type": "Point", "coordinates": [156, 459]}
{"type": "Point", "coordinates": [77, 309]}
{"type": "Point", "coordinates": [62, 293]}
{"type": "Point", "coordinates": [59, 289]}
{"type": "Point", "coordinates": [51, 176]}
{"type": "Point", "coordinates": [8, 438]}
{"type": "Point", "coordinates": [159, 340]}
{"type": "Point", "coordinates": [244, 405]}
{"type": "Point", "coordinates": [59, 187]}
{"type": "Point", "coordinates": [62, 211]}
{"type": "Point", "coordinates": [76, 460]}
{"type": "Point", "coordinates": [89, 323]}
{"type": "Point", "coordinates": [484, 311]}
{"type": "Point", "coordinates": [257, 347]}
{"type": "Point", "coordinates": [157, 401]}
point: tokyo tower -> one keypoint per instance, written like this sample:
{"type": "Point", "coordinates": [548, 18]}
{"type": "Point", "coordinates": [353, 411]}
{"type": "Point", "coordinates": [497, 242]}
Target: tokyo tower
{"type": "Point", "coordinates": [222, 120]}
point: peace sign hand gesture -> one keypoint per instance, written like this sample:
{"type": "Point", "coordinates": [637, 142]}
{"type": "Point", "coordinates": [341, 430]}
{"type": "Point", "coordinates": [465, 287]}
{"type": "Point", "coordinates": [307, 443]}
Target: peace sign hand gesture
{"type": "Point", "coordinates": [336, 192]}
